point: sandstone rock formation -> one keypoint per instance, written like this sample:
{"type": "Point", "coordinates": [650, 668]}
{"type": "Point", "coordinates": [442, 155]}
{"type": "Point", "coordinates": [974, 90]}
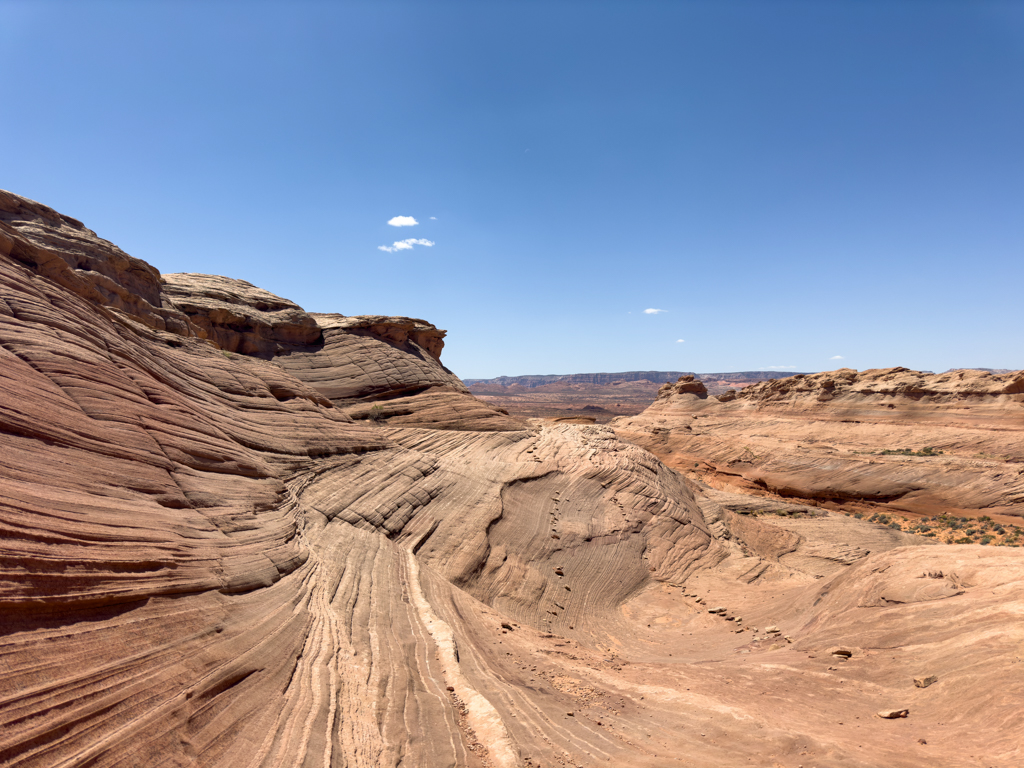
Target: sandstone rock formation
{"type": "Point", "coordinates": [890, 439]}
{"type": "Point", "coordinates": [222, 559]}
{"type": "Point", "coordinates": [238, 316]}
{"type": "Point", "coordinates": [605, 395]}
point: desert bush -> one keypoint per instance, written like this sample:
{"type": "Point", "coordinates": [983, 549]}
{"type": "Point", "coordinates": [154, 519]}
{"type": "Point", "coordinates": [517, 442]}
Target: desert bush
{"type": "Point", "coordinates": [928, 450]}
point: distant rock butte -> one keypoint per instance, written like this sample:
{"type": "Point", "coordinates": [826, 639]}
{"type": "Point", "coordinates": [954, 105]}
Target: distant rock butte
{"type": "Point", "coordinates": [239, 534]}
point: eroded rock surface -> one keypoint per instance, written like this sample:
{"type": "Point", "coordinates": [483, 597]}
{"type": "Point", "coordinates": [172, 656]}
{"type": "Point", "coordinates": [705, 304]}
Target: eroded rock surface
{"type": "Point", "coordinates": [881, 439]}
{"type": "Point", "coordinates": [211, 559]}
{"type": "Point", "coordinates": [238, 316]}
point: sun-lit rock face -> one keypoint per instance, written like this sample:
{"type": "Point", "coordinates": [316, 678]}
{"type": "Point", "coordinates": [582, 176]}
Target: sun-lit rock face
{"type": "Point", "coordinates": [238, 316]}
{"type": "Point", "coordinates": [886, 439]}
{"type": "Point", "coordinates": [221, 559]}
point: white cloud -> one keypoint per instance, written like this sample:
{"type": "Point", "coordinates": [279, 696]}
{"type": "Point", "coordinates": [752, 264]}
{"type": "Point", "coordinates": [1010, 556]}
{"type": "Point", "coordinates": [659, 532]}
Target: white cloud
{"type": "Point", "coordinates": [654, 311]}
{"type": "Point", "coordinates": [404, 245]}
{"type": "Point", "coordinates": [779, 368]}
{"type": "Point", "coordinates": [837, 357]}
{"type": "Point", "coordinates": [403, 221]}
{"type": "Point", "coordinates": [433, 218]}
{"type": "Point", "coordinates": [680, 341]}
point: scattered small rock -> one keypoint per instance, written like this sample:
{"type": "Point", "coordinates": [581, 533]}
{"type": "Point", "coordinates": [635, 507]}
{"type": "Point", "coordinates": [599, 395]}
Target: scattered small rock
{"type": "Point", "coordinates": [893, 714]}
{"type": "Point", "coordinates": [772, 630]}
{"type": "Point", "coordinates": [840, 653]}
{"type": "Point", "coordinates": [506, 625]}
{"type": "Point", "coordinates": [924, 682]}
{"type": "Point", "coordinates": [451, 689]}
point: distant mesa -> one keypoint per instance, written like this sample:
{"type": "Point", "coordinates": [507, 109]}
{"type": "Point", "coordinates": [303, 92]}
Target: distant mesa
{"type": "Point", "coordinates": [605, 379]}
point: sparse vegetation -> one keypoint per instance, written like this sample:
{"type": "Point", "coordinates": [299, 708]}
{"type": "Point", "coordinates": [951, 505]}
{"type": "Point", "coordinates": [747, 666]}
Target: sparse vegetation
{"type": "Point", "coordinates": [991, 457]}
{"type": "Point", "coordinates": [951, 530]}
{"type": "Point", "coordinates": [926, 451]}
{"type": "Point", "coordinates": [749, 455]}
{"type": "Point", "coordinates": [376, 413]}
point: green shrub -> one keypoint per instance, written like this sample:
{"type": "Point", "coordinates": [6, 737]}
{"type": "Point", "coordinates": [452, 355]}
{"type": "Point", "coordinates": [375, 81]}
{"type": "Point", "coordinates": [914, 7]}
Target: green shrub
{"type": "Point", "coordinates": [926, 451]}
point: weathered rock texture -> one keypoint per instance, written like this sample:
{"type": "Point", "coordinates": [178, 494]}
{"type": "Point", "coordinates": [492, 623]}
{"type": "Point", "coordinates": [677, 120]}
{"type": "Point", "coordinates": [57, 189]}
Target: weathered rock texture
{"type": "Point", "coordinates": [207, 561]}
{"type": "Point", "coordinates": [240, 317]}
{"type": "Point", "coordinates": [822, 438]}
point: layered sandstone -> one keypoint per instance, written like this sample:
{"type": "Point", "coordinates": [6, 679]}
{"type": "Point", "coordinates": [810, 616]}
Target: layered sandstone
{"type": "Point", "coordinates": [880, 439]}
{"type": "Point", "coordinates": [213, 559]}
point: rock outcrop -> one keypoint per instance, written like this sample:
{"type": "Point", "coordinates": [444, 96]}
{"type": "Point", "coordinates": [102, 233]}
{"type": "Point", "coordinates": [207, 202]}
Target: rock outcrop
{"type": "Point", "coordinates": [238, 316]}
{"type": "Point", "coordinates": [212, 559]}
{"type": "Point", "coordinates": [889, 439]}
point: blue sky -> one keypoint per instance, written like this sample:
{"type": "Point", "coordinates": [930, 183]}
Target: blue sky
{"type": "Point", "coordinates": [800, 185]}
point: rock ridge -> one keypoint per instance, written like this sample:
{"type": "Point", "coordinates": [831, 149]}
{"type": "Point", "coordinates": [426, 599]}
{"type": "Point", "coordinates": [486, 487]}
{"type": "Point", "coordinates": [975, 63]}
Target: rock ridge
{"type": "Point", "coordinates": [317, 548]}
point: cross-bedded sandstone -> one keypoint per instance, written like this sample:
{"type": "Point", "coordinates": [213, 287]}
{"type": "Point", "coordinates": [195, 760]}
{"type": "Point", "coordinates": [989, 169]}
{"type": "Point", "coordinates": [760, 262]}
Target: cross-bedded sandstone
{"type": "Point", "coordinates": [220, 559]}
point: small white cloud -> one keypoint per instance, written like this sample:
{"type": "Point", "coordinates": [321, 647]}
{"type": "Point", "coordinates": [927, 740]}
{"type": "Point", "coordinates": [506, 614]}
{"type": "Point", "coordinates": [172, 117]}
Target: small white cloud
{"type": "Point", "coordinates": [837, 357]}
{"type": "Point", "coordinates": [403, 221]}
{"type": "Point", "coordinates": [654, 311]}
{"type": "Point", "coordinates": [433, 218]}
{"type": "Point", "coordinates": [779, 368]}
{"type": "Point", "coordinates": [404, 245]}
{"type": "Point", "coordinates": [680, 341]}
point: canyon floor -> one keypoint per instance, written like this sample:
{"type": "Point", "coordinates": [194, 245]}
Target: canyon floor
{"type": "Point", "coordinates": [236, 533]}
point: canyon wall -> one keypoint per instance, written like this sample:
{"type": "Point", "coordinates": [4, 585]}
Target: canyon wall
{"type": "Point", "coordinates": [886, 439]}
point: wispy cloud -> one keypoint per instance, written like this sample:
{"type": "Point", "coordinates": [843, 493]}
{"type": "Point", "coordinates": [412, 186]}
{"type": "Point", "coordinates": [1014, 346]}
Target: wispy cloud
{"type": "Point", "coordinates": [403, 221]}
{"type": "Point", "coordinates": [433, 218]}
{"type": "Point", "coordinates": [404, 245]}
{"type": "Point", "coordinates": [779, 368]}
{"type": "Point", "coordinates": [680, 341]}
{"type": "Point", "coordinates": [654, 311]}
{"type": "Point", "coordinates": [837, 357]}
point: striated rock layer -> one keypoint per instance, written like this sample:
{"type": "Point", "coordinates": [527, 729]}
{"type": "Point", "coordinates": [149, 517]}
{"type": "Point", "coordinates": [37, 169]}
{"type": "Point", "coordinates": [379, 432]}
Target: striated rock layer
{"type": "Point", "coordinates": [215, 552]}
{"type": "Point", "coordinates": [888, 439]}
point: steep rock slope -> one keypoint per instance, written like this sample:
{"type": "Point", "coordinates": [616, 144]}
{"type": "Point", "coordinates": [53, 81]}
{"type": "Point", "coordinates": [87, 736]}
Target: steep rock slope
{"type": "Point", "coordinates": [388, 369]}
{"type": "Point", "coordinates": [853, 440]}
{"type": "Point", "coordinates": [221, 550]}
{"type": "Point", "coordinates": [207, 561]}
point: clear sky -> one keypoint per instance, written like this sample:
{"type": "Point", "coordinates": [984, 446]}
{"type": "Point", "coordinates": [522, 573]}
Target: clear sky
{"type": "Point", "coordinates": [799, 185]}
